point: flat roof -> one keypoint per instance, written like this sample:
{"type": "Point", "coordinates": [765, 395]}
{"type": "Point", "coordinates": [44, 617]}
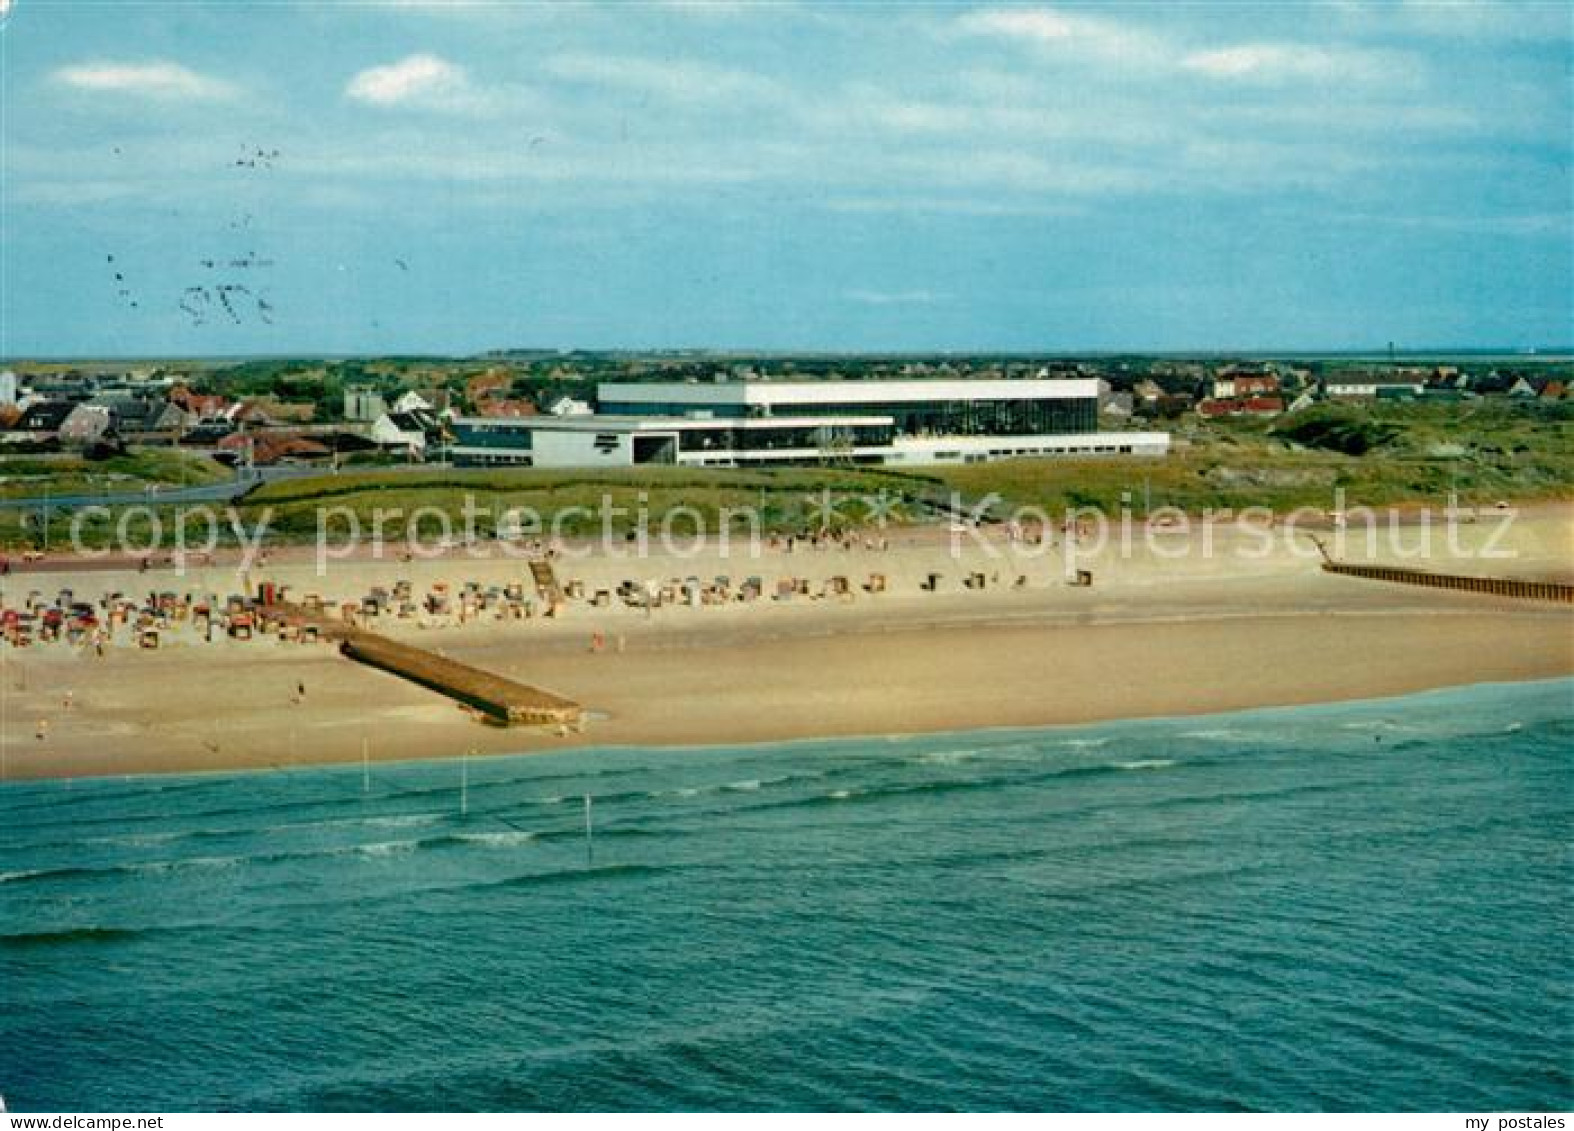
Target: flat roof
{"type": "Point", "coordinates": [846, 392]}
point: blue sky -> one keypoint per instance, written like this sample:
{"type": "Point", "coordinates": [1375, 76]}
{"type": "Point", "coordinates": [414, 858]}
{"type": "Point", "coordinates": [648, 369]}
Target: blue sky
{"type": "Point", "coordinates": [201, 179]}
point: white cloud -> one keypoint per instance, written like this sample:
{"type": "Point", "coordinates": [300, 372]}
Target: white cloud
{"type": "Point", "coordinates": [1069, 31]}
{"type": "Point", "coordinates": [1293, 62]}
{"type": "Point", "coordinates": [159, 79]}
{"type": "Point", "coordinates": [678, 80]}
{"type": "Point", "coordinates": [1135, 48]}
{"type": "Point", "coordinates": [420, 80]}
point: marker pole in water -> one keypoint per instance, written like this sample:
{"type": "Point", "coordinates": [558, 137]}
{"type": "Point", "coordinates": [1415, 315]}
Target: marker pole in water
{"type": "Point", "coordinates": [366, 766]}
{"type": "Point", "coordinates": [464, 785]}
{"type": "Point", "coordinates": [590, 835]}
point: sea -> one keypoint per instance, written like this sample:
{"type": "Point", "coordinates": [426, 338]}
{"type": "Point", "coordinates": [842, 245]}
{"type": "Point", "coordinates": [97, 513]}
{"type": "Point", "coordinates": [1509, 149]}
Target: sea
{"type": "Point", "coordinates": [1356, 906]}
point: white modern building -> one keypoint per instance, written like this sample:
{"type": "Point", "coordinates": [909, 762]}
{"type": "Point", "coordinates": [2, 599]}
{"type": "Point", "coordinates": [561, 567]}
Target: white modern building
{"type": "Point", "coordinates": [1370, 386]}
{"type": "Point", "coordinates": [758, 423]}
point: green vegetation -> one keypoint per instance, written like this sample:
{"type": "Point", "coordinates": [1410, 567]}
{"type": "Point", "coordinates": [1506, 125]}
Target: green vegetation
{"type": "Point", "coordinates": [1408, 452]}
{"type": "Point", "coordinates": [26, 476]}
{"type": "Point", "coordinates": [1378, 454]}
{"type": "Point", "coordinates": [587, 501]}
{"type": "Point", "coordinates": [1353, 437]}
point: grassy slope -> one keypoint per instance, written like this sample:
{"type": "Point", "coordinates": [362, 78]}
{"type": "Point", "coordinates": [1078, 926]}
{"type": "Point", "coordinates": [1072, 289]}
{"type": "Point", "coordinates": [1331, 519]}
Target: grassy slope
{"type": "Point", "coordinates": [22, 476]}
{"type": "Point", "coordinates": [786, 496]}
{"type": "Point", "coordinates": [1412, 453]}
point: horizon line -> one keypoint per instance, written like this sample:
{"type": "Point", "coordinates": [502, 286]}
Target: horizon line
{"type": "Point", "coordinates": [1563, 353]}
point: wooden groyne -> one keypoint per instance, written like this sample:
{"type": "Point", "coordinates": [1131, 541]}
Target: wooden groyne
{"type": "Point", "coordinates": [500, 698]}
{"type": "Point", "coordinates": [1490, 586]}
{"type": "Point", "coordinates": [505, 700]}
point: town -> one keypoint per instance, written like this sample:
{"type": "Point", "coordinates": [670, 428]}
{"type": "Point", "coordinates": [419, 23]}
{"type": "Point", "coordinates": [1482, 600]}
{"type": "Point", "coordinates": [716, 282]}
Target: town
{"type": "Point", "coordinates": [330, 414]}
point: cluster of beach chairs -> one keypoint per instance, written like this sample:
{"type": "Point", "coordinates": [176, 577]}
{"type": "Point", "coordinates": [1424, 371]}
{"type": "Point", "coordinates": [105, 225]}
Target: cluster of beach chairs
{"type": "Point", "coordinates": [146, 620]}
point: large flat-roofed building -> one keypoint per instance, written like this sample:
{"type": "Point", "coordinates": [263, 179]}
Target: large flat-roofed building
{"type": "Point", "coordinates": [755, 423]}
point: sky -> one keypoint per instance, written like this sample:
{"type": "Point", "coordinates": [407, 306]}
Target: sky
{"type": "Point", "coordinates": [224, 179]}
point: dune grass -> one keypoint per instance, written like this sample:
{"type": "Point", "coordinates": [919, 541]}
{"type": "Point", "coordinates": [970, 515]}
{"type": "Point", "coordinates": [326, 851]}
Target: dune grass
{"type": "Point", "coordinates": [1374, 454]}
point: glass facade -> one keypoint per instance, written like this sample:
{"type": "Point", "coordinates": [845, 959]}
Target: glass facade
{"type": "Point", "coordinates": [514, 435]}
{"type": "Point", "coordinates": [723, 439]}
{"type": "Point", "coordinates": [1050, 415]}
{"type": "Point", "coordinates": [673, 408]}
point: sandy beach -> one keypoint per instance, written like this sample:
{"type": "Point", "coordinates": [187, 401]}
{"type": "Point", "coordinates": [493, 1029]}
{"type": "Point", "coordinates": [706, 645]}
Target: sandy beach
{"type": "Point", "coordinates": [1158, 633]}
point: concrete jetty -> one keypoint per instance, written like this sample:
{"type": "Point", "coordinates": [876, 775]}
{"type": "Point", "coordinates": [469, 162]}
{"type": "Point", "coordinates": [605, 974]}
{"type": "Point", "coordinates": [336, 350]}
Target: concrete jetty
{"type": "Point", "coordinates": [502, 699]}
{"type": "Point", "coordinates": [505, 700]}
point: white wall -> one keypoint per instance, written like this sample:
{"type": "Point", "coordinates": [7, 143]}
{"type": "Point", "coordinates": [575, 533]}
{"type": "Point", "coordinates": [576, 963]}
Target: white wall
{"type": "Point", "coordinates": [960, 449]}
{"type": "Point", "coordinates": [578, 449]}
{"type": "Point", "coordinates": [807, 394]}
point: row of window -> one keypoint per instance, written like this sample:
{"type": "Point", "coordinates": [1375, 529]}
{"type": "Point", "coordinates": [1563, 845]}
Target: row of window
{"type": "Point", "coordinates": [777, 439]}
{"type": "Point", "coordinates": [914, 418]}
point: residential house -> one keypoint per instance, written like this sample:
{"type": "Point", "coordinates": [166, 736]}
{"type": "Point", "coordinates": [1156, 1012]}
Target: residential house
{"type": "Point", "coordinates": [144, 420]}
{"type": "Point", "coordinates": [264, 449]}
{"type": "Point", "coordinates": [567, 406]}
{"type": "Point", "coordinates": [249, 414]}
{"type": "Point", "coordinates": [198, 406]}
{"type": "Point", "coordinates": [402, 431]}
{"type": "Point", "coordinates": [1232, 385]}
{"type": "Point", "coordinates": [512, 408]}
{"type": "Point", "coordinates": [363, 403]}
{"type": "Point", "coordinates": [411, 401]}
{"type": "Point", "coordinates": [1240, 406]}
{"type": "Point", "coordinates": [44, 418]}
{"type": "Point", "coordinates": [87, 425]}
